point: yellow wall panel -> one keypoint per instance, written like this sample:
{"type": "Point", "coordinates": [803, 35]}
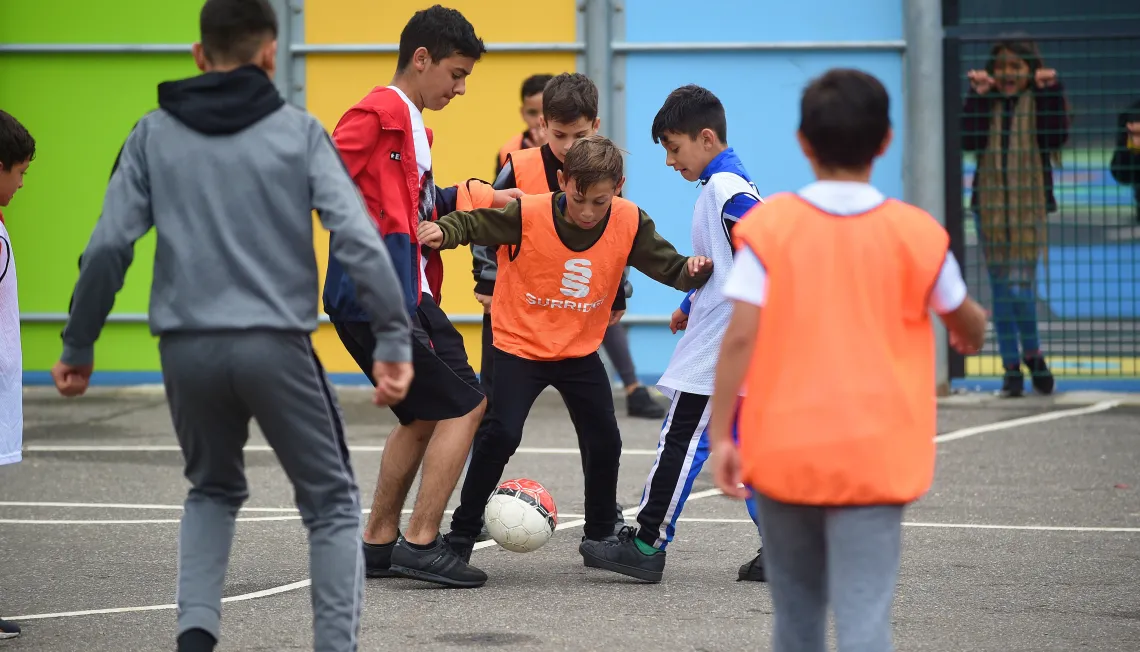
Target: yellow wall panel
{"type": "Point", "coordinates": [501, 21]}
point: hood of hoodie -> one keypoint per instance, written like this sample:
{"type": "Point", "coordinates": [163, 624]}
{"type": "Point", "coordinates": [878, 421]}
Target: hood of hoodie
{"type": "Point", "coordinates": [219, 103]}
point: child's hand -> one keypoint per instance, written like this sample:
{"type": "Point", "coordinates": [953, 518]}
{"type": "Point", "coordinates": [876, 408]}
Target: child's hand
{"type": "Point", "coordinates": [504, 197]}
{"type": "Point", "coordinates": [726, 468]}
{"type": "Point", "coordinates": [392, 382]}
{"type": "Point", "coordinates": [679, 321]}
{"type": "Point", "coordinates": [699, 264]}
{"type": "Point", "coordinates": [429, 234]}
{"type": "Point", "coordinates": [960, 345]}
{"type": "Point", "coordinates": [537, 135]}
{"type": "Point", "coordinates": [71, 381]}
{"type": "Point", "coordinates": [1045, 78]}
{"type": "Point", "coordinates": [980, 81]}
{"type": "Point", "coordinates": [615, 316]}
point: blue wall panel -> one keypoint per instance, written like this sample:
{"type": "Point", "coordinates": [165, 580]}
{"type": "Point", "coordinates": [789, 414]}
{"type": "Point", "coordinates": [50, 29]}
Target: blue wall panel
{"type": "Point", "coordinates": [760, 91]}
{"type": "Point", "coordinates": [763, 20]}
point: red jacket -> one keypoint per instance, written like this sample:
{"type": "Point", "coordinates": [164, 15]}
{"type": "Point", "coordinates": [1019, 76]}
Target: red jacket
{"type": "Point", "coordinates": [374, 138]}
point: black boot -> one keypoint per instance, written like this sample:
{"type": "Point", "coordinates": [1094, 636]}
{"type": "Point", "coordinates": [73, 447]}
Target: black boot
{"type": "Point", "coordinates": [1041, 377]}
{"type": "Point", "coordinates": [753, 571]}
{"type": "Point", "coordinates": [1013, 384]}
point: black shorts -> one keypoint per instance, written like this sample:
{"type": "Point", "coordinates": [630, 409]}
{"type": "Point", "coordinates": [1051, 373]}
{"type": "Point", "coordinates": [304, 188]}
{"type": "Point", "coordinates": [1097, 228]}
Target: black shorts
{"type": "Point", "coordinates": [444, 386]}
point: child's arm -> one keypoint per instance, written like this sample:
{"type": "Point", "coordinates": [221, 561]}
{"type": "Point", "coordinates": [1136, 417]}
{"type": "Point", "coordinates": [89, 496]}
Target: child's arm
{"type": "Point", "coordinates": [747, 288]}
{"type": "Point", "coordinates": [125, 218]}
{"type": "Point", "coordinates": [655, 257]}
{"type": "Point", "coordinates": [484, 226]}
{"type": "Point", "coordinates": [964, 318]}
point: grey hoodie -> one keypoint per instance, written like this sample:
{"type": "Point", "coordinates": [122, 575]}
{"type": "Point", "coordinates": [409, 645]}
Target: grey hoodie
{"type": "Point", "coordinates": [228, 175]}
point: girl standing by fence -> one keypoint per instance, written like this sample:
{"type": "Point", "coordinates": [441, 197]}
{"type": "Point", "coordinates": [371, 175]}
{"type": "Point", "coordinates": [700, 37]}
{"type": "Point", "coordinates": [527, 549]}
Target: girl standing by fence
{"type": "Point", "coordinates": [1015, 121]}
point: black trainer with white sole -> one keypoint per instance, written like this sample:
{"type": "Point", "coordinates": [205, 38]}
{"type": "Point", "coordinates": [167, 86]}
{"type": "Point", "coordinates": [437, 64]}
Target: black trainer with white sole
{"type": "Point", "coordinates": [8, 629]}
{"type": "Point", "coordinates": [438, 564]}
{"type": "Point", "coordinates": [622, 555]}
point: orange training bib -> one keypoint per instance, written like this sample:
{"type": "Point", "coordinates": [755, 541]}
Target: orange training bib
{"type": "Point", "coordinates": [841, 400]}
{"type": "Point", "coordinates": [550, 302]}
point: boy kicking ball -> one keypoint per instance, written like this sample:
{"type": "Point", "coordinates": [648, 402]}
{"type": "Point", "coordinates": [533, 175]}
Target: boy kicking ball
{"type": "Point", "coordinates": [692, 128]}
{"type": "Point", "coordinates": [561, 258]}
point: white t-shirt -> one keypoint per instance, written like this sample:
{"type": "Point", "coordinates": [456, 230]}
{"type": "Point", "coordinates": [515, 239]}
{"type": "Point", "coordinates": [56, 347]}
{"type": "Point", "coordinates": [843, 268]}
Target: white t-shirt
{"type": "Point", "coordinates": [427, 183]}
{"type": "Point", "coordinates": [11, 358]}
{"type": "Point", "coordinates": [748, 280]}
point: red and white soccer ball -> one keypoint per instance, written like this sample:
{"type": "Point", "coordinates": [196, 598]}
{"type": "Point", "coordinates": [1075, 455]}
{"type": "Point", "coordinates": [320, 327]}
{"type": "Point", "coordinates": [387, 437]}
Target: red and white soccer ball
{"type": "Point", "coordinates": [521, 515]}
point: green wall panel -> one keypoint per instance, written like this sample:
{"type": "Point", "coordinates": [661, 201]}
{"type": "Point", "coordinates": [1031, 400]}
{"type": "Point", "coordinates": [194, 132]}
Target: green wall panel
{"type": "Point", "coordinates": [110, 21]}
{"type": "Point", "coordinates": [121, 347]}
{"type": "Point", "coordinates": [79, 108]}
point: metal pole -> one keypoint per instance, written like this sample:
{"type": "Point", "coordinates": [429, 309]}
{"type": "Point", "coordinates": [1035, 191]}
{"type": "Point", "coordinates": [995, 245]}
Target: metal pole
{"type": "Point", "coordinates": [759, 46]}
{"type": "Point", "coordinates": [598, 56]}
{"type": "Point", "coordinates": [923, 150]}
{"type": "Point", "coordinates": [617, 128]}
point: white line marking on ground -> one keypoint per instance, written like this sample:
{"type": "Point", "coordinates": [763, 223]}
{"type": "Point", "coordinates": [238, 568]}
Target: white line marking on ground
{"type": "Point", "coordinates": [963, 526]}
{"type": "Point", "coordinates": [261, 448]}
{"type": "Point", "coordinates": [154, 521]}
{"type": "Point", "coordinates": [13, 503]}
{"type": "Point", "coordinates": [1025, 421]}
{"type": "Point", "coordinates": [950, 436]}
{"type": "Point", "coordinates": [295, 585]}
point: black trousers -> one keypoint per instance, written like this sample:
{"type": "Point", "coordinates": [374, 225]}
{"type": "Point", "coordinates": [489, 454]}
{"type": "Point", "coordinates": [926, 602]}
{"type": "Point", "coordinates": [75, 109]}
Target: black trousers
{"type": "Point", "coordinates": [585, 388]}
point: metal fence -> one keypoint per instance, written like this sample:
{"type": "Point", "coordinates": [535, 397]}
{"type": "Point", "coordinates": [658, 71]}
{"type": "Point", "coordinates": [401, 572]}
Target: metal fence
{"type": "Point", "coordinates": [1042, 180]}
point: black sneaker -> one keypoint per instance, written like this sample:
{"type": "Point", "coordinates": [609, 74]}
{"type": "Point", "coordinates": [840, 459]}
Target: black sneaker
{"type": "Point", "coordinates": [753, 571]}
{"type": "Point", "coordinates": [378, 558]}
{"type": "Point", "coordinates": [624, 557]}
{"type": "Point", "coordinates": [8, 629]}
{"type": "Point", "coordinates": [1013, 383]}
{"type": "Point", "coordinates": [196, 640]}
{"type": "Point", "coordinates": [463, 546]}
{"type": "Point", "coordinates": [640, 404]}
{"type": "Point", "coordinates": [1042, 378]}
{"type": "Point", "coordinates": [439, 564]}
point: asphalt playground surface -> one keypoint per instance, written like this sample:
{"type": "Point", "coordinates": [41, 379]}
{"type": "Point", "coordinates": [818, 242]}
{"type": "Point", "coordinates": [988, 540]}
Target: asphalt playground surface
{"type": "Point", "coordinates": [1029, 540]}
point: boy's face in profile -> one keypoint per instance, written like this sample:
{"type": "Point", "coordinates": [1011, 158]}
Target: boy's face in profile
{"type": "Point", "coordinates": [561, 135]}
{"type": "Point", "coordinates": [440, 81]}
{"type": "Point", "coordinates": [532, 112]}
{"type": "Point", "coordinates": [587, 207]}
{"type": "Point", "coordinates": [11, 180]}
{"type": "Point", "coordinates": [687, 155]}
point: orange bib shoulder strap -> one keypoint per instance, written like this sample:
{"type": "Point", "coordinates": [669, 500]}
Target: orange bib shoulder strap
{"type": "Point", "coordinates": [474, 193]}
{"type": "Point", "coordinates": [512, 145]}
{"type": "Point", "coordinates": [530, 171]}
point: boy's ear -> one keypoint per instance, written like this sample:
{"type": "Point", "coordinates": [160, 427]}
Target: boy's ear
{"type": "Point", "coordinates": [708, 138]}
{"type": "Point", "coordinates": [268, 61]}
{"type": "Point", "coordinates": [597, 124]}
{"type": "Point", "coordinates": [617, 188]}
{"type": "Point", "coordinates": [561, 181]}
{"type": "Point", "coordinates": [541, 121]}
{"type": "Point", "coordinates": [421, 59]}
{"type": "Point", "coordinates": [886, 142]}
{"type": "Point", "coordinates": [199, 56]}
{"type": "Point", "coordinates": [805, 146]}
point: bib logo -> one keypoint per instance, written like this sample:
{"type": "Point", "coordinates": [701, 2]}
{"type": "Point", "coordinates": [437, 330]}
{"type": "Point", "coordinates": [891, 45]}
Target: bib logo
{"type": "Point", "coordinates": [576, 279]}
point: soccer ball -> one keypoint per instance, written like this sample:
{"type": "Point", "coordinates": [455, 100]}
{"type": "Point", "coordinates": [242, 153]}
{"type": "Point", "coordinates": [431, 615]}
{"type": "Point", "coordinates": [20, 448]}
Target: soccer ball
{"type": "Point", "coordinates": [521, 515]}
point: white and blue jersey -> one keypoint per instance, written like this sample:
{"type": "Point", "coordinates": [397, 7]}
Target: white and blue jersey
{"type": "Point", "coordinates": [727, 194]}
